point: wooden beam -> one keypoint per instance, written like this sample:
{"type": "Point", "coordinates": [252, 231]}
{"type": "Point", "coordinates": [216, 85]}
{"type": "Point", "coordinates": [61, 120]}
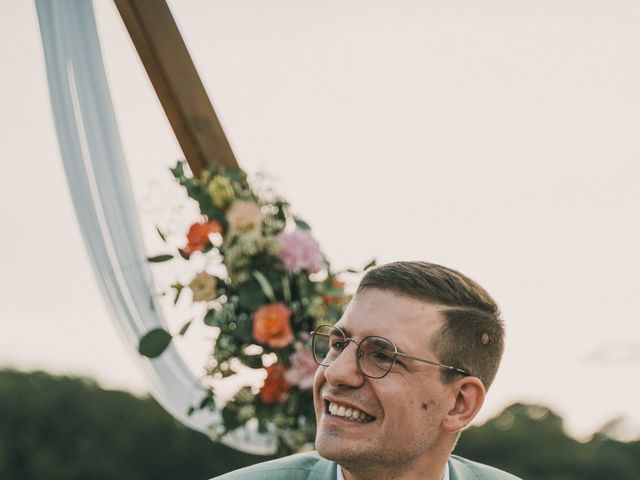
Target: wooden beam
{"type": "Point", "coordinates": [174, 77]}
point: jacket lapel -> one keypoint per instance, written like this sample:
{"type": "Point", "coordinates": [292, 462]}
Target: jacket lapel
{"type": "Point", "coordinates": [323, 470]}
{"type": "Point", "coordinates": [459, 471]}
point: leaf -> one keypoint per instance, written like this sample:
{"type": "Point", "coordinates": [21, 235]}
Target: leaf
{"type": "Point", "coordinates": [207, 401]}
{"type": "Point", "coordinates": [183, 254]}
{"type": "Point", "coordinates": [252, 361]}
{"type": "Point", "coordinates": [210, 318]}
{"type": "Point", "coordinates": [160, 258]}
{"type": "Point", "coordinates": [303, 285]}
{"type": "Point", "coordinates": [250, 297]}
{"type": "Point", "coordinates": [243, 330]}
{"type": "Point", "coordinates": [372, 263]}
{"type": "Point", "coordinates": [331, 290]}
{"type": "Point", "coordinates": [264, 285]}
{"type": "Point", "coordinates": [178, 170]}
{"type": "Point", "coordinates": [154, 342]}
{"type": "Point", "coordinates": [236, 175]}
{"type": "Point", "coordinates": [301, 224]}
{"type": "Point", "coordinates": [178, 288]}
{"type": "Point", "coordinates": [184, 328]}
{"type": "Point", "coordinates": [286, 288]}
{"type": "Point", "coordinates": [164, 239]}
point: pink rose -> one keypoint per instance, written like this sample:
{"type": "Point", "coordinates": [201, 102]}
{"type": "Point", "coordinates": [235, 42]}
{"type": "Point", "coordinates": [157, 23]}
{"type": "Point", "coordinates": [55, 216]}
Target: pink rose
{"type": "Point", "coordinates": [298, 250]}
{"type": "Point", "coordinates": [303, 369]}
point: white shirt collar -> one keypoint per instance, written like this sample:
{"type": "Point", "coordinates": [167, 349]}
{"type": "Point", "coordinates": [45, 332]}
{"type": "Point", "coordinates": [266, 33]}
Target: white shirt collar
{"type": "Point", "coordinates": [445, 475]}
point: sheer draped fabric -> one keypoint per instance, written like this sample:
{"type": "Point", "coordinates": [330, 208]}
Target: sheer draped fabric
{"type": "Point", "coordinates": [98, 180]}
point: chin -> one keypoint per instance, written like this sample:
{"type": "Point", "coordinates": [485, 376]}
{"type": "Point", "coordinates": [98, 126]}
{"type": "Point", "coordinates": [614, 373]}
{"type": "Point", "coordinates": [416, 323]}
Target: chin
{"type": "Point", "coordinates": [338, 449]}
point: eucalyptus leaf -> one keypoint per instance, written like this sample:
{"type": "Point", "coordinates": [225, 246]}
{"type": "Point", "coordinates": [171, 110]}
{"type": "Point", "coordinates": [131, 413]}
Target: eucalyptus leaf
{"type": "Point", "coordinates": [264, 285]}
{"type": "Point", "coordinates": [164, 239]}
{"type": "Point", "coordinates": [160, 258]}
{"type": "Point", "coordinates": [301, 224]}
{"type": "Point", "coordinates": [154, 342]}
{"type": "Point", "coordinates": [372, 263]}
{"type": "Point", "coordinates": [184, 328]}
{"type": "Point", "coordinates": [286, 288]}
{"type": "Point", "coordinates": [178, 292]}
{"type": "Point", "coordinates": [178, 170]}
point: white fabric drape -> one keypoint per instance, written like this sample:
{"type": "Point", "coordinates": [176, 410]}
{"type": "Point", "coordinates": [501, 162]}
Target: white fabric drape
{"type": "Point", "coordinates": [102, 197]}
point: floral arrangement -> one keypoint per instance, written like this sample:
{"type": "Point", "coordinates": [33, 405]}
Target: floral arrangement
{"type": "Point", "coordinates": [277, 287]}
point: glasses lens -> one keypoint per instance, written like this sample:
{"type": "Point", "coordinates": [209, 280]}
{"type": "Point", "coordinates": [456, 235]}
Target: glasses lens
{"type": "Point", "coordinates": [376, 356]}
{"type": "Point", "coordinates": [327, 344]}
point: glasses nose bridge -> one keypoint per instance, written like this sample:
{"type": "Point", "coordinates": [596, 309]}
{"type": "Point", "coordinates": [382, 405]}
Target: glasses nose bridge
{"type": "Point", "coordinates": [348, 340]}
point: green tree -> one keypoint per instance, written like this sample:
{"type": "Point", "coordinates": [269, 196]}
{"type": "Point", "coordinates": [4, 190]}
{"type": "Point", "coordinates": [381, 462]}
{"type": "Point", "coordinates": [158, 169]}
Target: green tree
{"type": "Point", "coordinates": [69, 428]}
{"type": "Point", "coordinates": [54, 427]}
{"type": "Point", "coordinates": [529, 441]}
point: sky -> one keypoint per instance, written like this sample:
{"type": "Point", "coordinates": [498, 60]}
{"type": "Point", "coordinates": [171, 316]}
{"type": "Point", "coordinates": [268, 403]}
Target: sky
{"type": "Point", "coordinates": [498, 138]}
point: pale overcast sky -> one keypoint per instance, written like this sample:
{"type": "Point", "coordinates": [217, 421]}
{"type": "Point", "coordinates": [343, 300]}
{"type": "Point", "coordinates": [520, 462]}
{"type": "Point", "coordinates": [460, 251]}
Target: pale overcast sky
{"type": "Point", "coordinates": [498, 137]}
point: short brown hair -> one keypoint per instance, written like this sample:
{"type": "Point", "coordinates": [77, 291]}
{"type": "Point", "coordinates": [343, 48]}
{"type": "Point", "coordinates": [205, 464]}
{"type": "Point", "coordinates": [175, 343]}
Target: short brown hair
{"type": "Point", "coordinates": [472, 334]}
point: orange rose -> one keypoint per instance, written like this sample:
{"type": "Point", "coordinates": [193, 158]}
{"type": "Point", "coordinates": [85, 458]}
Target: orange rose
{"type": "Point", "coordinates": [275, 386]}
{"type": "Point", "coordinates": [198, 235]}
{"type": "Point", "coordinates": [271, 325]}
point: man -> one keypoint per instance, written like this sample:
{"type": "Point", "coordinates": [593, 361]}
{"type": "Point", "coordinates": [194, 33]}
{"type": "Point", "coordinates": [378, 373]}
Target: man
{"type": "Point", "coordinates": [402, 373]}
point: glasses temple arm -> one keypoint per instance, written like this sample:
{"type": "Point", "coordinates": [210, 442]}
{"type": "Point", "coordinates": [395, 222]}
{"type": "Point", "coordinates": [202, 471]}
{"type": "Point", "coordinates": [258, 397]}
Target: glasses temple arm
{"type": "Point", "coordinates": [436, 364]}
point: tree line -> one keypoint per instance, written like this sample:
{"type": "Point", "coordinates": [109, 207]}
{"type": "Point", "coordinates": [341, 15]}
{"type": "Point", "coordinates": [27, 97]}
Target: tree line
{"type": "Point", "coordinates": [57, 427]}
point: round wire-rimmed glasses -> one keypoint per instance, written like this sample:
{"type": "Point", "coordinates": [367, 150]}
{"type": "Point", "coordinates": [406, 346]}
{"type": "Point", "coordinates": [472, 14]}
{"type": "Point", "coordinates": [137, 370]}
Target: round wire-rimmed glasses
{"type": "Point", "coordinates": [374, 355]}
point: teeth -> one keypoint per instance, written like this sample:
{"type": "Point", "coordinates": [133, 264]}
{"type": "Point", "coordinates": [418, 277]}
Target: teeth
{"type": "Point", "coordinates": [348, 412]}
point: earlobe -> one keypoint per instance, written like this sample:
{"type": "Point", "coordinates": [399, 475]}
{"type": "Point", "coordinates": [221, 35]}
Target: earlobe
{"type": "Point", "coordinates": [470, 394]}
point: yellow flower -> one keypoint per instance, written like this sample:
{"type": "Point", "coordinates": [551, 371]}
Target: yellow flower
{"type": "Point", "coordinates": [203, 287]}
{"type": "Point", "coordinates": [221, 191]}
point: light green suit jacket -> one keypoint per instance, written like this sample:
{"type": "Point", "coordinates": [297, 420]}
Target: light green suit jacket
{"type": "Point", "coordinates": [311, 466]}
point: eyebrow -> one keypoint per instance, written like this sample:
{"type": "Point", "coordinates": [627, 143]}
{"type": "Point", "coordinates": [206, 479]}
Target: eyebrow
{"type": "Point", "coordinates": [399, 347]}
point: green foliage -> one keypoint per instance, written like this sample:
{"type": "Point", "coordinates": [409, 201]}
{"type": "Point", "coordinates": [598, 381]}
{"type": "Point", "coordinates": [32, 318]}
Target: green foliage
{"type": "Point", "coordinates": [61, 428]}
{"type": "Point", "coordinates": [154, 342]}
{"type": "Point", "coordinates": [529, 441]}
{"type": "Point", "coordinates": [69, 428]}
{"type": "Point", "coordinates": [160, 258]}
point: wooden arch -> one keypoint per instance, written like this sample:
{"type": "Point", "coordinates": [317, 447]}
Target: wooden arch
{"type": "Point", "coordinates": [175, 80]}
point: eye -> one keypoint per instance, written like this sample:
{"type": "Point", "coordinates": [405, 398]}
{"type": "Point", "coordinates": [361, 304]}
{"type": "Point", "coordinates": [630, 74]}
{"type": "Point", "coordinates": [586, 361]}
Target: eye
{"type": "Point", "coordinates": [337, 344]}
{"type": "Point", "coordinates": [383, 357]}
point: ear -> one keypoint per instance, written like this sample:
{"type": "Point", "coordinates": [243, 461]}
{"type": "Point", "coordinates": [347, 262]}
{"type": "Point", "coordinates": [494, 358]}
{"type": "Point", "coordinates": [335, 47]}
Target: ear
{"type": "Point", "coordinates": [469, 396]}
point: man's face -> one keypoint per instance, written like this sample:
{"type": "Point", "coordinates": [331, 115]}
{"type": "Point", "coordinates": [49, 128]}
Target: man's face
{"type": "Point", "coordinates": [404, 409]}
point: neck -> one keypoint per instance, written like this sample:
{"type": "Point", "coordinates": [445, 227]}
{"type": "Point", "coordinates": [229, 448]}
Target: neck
{"type": "Point", "coordinates": [430, 468]}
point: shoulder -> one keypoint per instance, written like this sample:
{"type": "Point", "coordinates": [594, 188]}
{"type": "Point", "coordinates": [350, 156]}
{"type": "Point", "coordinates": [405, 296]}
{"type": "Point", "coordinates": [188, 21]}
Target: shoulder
{"type": "Point", "coordinates": [301, 466]}
{"type": "Point", "coordinates": [463, 469]}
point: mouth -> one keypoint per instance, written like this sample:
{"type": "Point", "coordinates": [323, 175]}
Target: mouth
{"type": "Point", "coordinates": [347, 412]}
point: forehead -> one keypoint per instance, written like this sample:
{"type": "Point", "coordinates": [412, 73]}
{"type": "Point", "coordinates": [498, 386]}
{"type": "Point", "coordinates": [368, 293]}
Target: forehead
{"type": "Point", "coordinates": [401, 319]}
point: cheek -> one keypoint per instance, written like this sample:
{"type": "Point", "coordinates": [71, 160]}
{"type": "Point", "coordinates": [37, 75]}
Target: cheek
{"type": "Point", "coordinates": [418, 399]}
{"type": "Point", "coordinates": [401, 398]}
{"type": "Point", "coordinates": [318, 381]}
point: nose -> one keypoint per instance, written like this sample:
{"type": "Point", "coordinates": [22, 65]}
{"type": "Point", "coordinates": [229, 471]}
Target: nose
{"type": "Point", "coordinates": [344, 370]}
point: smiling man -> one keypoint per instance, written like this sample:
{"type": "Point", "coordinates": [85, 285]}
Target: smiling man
{"type": "Point", "coordinates": [402, 373]}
